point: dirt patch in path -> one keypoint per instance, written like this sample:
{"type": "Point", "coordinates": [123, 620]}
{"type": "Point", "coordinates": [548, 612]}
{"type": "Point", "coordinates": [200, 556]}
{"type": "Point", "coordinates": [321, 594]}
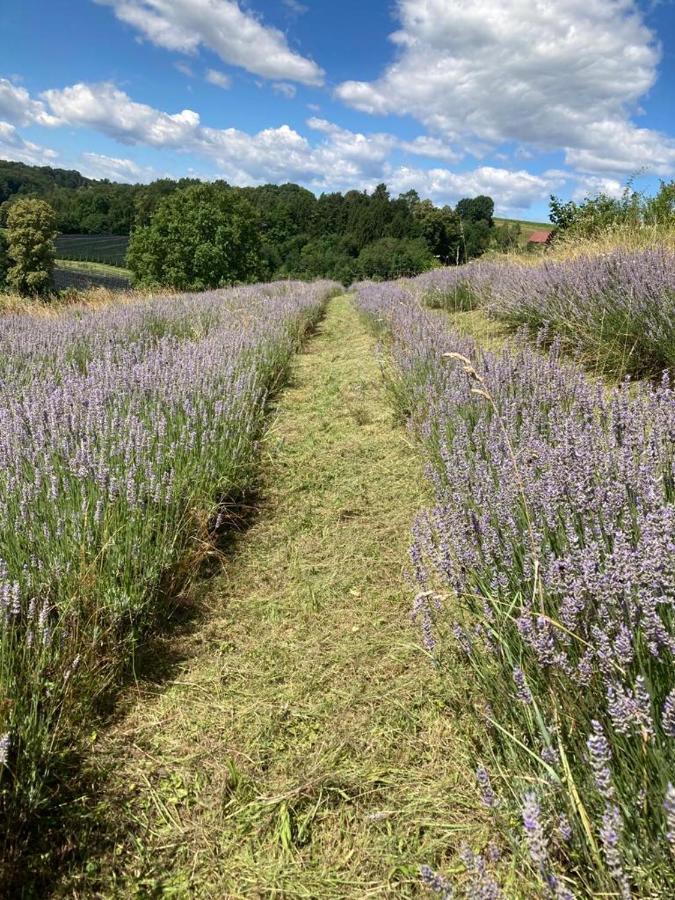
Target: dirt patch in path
{"type": "Point", "coordinates": [303, 746]}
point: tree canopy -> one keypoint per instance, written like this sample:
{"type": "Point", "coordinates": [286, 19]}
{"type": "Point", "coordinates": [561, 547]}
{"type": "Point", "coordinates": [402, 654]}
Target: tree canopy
{"type": "Point", "coordinates": [202, 236]}
{"type": "Point", "coordinates": [31, 229]}
{"type": "Point", "coordinates": [299, 235]}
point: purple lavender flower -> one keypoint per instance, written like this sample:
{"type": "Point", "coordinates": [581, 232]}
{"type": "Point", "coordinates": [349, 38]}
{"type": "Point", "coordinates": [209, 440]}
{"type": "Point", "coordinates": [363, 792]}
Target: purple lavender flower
{"type": "Point", "coordinates": [610, 837]}
{"type": "Point", "coordinates": [564, 828]}
{"type": "Point", "coordinates": [669, 806]}
{"type": "Point", "coordinates": [5, 744]}
{"type": "Point", "coordinates": [534, 831]}
{"type": "Point", "coordinates": [436, 883]}
{"type": "Point", "coordinates": [488, 796]}
{"type": "Point", "coordinates": [600, 758]}
{"type": "Point", "coordinates": [523, 692]}
{"type": "Point", "coordinates": [668, 715]}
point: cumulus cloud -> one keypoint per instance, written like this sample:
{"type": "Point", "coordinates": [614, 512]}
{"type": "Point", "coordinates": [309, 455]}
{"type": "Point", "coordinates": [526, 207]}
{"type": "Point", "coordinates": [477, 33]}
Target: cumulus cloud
{"type": "Point", "coordinates": [334, 159]}
{"type": "Point", "coordinates": [550, 73]}
{"type": "Point", "coordinates": [18, 107]}
{"type": "Point", "coordinates": [220, 79]}
{"type": "Point", "coordinates": [592, 185]}
{"type": "Point", "coordinates": [16, 148]}
{"type": "Point", "coordinates": [109, 110]}
{"type": "Point", "coordinates": [512, 190]}
{"type": "Point", "coordinates": [98, 165]}
{"type": "Point", "coordinates": [236, 35]}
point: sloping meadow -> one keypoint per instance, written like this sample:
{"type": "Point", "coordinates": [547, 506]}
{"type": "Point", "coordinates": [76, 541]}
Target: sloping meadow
{"type": "Point", "coordinates": [545, 571]}
{"type": "Point", "coordinates": [614, 310]}
{"type": "Point", "coordinates": [125, 434]}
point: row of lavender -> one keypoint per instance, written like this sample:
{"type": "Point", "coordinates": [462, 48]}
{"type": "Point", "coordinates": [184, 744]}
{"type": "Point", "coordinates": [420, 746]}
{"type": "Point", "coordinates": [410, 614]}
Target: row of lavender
{"type": "Point", "coordinates": [121, 430]}
{"type": "Point", "coordinates": [547, 563]}
{"type": "Point", "coordinates": [616, 311]}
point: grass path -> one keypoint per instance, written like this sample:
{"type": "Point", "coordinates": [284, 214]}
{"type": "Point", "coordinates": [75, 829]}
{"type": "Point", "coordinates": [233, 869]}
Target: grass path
{"type": "Point", "coordinates": [304, 746]}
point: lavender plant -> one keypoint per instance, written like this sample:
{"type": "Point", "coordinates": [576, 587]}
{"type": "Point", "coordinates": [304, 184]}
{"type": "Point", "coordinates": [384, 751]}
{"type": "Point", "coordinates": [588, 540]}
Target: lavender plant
{"type": "Point", "coordinates": [121, 430]}
{"type": "Point", "coordinates": [550, 548]}
{"type": "Point", "coordinates": [615, 311]}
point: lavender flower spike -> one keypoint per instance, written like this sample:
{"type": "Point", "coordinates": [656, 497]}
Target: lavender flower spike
{"type": "Point", "coordinates": [5, 743]}
{"type": "Point", "coordinates": [610, 836]}
{"type": "Point", "coordinates": [523, 692]}
{"type": "Point", "coordinates": [600, 757]}
{"type": "Point", "coordinates": [436, 882]}
{"type": "Point", "coordinates": [669, 806]}
{"type": "Point", "coordinates": [488, 796]}
{"type": "Point", "coordinates": [668, 715]}
{"type": "Point", "coordinates": [534, 831]}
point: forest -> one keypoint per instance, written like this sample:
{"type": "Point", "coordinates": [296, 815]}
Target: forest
{"type": "Point", "coordinates": [297, 234]}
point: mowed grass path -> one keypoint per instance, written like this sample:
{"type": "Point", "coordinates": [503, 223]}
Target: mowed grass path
{"type": "Point", "coordinates": [305, 746]}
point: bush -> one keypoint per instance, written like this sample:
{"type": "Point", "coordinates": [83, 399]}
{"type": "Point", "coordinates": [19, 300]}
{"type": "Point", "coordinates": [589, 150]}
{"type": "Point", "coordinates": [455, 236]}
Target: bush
{"type": "Point", "coordinates": [31, 229]}
{"type": "Point", "coordinates": [395, 258]}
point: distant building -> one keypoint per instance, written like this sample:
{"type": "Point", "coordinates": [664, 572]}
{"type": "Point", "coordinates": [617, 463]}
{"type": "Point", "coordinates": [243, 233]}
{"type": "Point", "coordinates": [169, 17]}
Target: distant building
{"type": "Point", "coordinates": [540, 237]}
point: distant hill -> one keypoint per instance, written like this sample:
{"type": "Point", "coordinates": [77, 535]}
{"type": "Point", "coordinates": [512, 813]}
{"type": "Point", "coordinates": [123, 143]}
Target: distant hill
{"type": "Point", "coordinates": [19, 178]}
{"type": "Point", "coordinates": [526, 227]}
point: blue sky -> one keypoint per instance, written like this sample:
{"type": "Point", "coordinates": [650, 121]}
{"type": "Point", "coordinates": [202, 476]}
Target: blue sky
{"type": "Point", "coordinates": [514, 98]}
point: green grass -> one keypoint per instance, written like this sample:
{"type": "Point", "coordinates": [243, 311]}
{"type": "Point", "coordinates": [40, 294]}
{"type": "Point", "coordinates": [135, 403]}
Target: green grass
{"type": "Point", "coordinates": [93, 268]}
{"type": "Point", "coordinates": [298, 742]}
{"type": "Point", "coordinates": [526, 228]}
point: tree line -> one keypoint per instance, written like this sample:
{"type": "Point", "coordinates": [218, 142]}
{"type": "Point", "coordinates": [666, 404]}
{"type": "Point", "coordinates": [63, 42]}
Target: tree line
{"type": "Point", "coordinates": [191, 235]}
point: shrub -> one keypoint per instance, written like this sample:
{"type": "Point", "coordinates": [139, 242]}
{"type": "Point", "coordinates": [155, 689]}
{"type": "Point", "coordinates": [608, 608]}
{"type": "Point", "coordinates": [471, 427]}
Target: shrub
{"type": "Point", "coordinates": [31, 229]}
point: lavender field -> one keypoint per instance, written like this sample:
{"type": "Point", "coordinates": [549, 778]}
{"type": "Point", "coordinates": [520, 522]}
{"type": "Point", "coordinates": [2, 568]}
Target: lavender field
{"type": "Point", "coordinates": [545, 570]}
{"type": "Point", "coordinates": [126, 434]}
{"type": "Point", "coordinates": [614, 311]}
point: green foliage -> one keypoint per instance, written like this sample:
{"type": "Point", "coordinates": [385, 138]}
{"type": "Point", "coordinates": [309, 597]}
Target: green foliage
{"type": "Point", "coordinates": [299, 235]}
{"type": "Point", "coordinates": [31, 229]}
{"type": "Point", "coordinates": [200, 237]}
{"type": "Point", "coordinates": [4, 257]}
{"type": "Point", "coordinates": [441, 229]}
{"type": "Point", "coordinates": [478, 209]}
{"type": "Point", "coordinates": [391, 258]}
{"type": "Point", "coordinates": [595, 215]}
{"type": "Point", "coordinates": [506, 237]}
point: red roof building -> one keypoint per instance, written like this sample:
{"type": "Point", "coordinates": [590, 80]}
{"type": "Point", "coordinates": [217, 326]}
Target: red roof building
{"type": "Point", "coordinates": [540, 237]}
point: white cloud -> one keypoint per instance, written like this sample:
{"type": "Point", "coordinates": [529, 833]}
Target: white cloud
{"type": "Point", "coordinates": [295, 7]}
{"type": "Point", "coordinates": [550, 73]}
{"type": "Point", "coordinates": [511, 190]}
{"type": "Point", "coordinates": [14, 147]}
{"type": "Point", "coordinates": [336, 159]}
{"type": "Point", "coordinates": [236, 35]}
{"type": "Point", "coordinates": [184, 68]}
{"type": "Point", "coordinates": [431, 147]}
{"type": "Point", "coordinates": [592, 185]}
{"type": "Point", "coordinates": [17, 106]}
{"type": "Point", "coordinates": [109, 110]}
{"type": "Point", "coordinates": [284, 89]}
{"type": "Point", "coordinates": [220, 79]}
{"type": "Point", "coordinates": [97, 165]}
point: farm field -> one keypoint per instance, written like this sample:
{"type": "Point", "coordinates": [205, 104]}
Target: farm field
{"type": "Point", "coordinates": [108, 249]}
{"type": "Point", "coordinates": [390, 623]}
{"type": "Point", "coordinates": [82, 275]}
